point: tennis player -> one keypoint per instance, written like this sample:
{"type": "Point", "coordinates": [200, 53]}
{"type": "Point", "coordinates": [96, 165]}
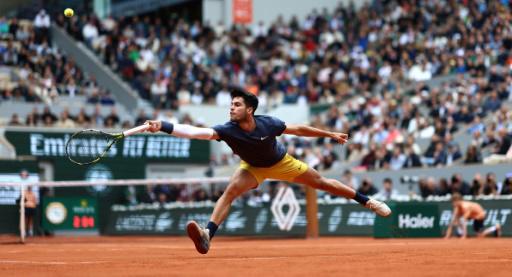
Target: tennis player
{"type": "Point", "coordinates": [253, 138]}
{"type": "Point", "coordinates": [466, 210]}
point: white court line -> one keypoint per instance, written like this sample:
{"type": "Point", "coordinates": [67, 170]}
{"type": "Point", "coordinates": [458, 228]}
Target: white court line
{"type": "Point", "coordinates": [266, 258]}
{"type": "Point", "coordinates": [48, 263]}
{"type": "Point", "coordinates": [222, 245]}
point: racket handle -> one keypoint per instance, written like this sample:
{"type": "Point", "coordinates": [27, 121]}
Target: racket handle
{"type": "Point", "coordinates": [136, 130]}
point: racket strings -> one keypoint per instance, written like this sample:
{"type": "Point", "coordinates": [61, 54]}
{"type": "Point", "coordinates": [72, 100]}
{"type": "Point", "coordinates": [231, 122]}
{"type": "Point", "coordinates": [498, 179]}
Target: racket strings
{"type": "Point", "coordinates": [88, 145]}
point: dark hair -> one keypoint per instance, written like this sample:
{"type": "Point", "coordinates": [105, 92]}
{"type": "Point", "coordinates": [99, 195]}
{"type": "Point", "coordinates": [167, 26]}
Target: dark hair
{"type": "Point", "coordinates": [249, 99]}
{"type": "Point", "coordinates": [388, 180]}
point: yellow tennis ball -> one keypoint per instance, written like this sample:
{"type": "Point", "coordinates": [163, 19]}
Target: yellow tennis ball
{"type": "Point", "coordinates": [68, 12]}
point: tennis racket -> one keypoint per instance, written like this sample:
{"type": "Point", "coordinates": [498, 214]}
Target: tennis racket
{"type": "Point", "coordinates": [89, 146]}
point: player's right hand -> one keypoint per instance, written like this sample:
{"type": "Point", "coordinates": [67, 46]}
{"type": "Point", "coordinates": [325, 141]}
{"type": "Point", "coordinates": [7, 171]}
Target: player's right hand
{"type": "Point", "coordinates": [154, 125]}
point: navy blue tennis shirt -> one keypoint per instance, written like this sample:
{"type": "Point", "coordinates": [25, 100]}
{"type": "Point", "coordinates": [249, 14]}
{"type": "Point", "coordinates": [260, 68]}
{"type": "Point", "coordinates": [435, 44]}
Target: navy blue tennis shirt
{"type": "Point", "coordinates": [259, 147]}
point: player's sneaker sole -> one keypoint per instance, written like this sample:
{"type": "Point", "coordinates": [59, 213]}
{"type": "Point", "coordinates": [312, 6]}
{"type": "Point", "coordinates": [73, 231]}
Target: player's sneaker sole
{"type": "Point", "coordinates": [199, 237]}
{"type": "Point", "coordinates": [378, 207]}
{"type": "Point", "coordinates": [498, 230]}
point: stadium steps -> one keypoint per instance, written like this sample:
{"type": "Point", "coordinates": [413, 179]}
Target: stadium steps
{"type": "Point", "coordinates": [106, 78]}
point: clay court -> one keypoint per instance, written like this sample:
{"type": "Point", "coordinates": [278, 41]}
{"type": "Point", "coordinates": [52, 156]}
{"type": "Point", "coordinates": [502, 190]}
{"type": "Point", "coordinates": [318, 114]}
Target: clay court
{"type": "Point", "coordinates": [175, 256]}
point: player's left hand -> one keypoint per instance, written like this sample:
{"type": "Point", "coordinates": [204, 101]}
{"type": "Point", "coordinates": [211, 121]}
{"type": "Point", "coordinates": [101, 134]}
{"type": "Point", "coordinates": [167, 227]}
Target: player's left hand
{"type": "Point", "coordinates": [340, 137]}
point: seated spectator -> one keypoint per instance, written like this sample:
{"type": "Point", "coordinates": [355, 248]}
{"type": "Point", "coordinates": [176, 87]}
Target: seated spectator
{"type": "Point", "coordinates": [490, 187]}
{"type": "Point", "coordinates": [428, 187]}
{"type": "Point", "coordinates": [200, 195]}
{"type": "Point", "coordinates": [411, 158]}
{"type": "Point", "coordinates": [65, 121]}
{"type": "Point", "coordinates": [452, 155]}
{"type": "Point", "coordinates": [502, 149]}
{"type": "Point", "coordinates": [459, 185]}
{"type": "Point", "coordinates": [473, 155]}
{"type": "Point", "coordinates": [439, 155]}
{"type": "Point", "coordinates": [367, 187]}
{"type": "Point", "coordinates": [477, 185]}
{"type": "Point", "coordinates": [15, 120]}
{"type": "Point", "coordinates": [397, 160]}
{"type": "Point", "coordinates": [507, 185]}
{"type": "Point", "coordinates": [112, 119]}
{"type": "Point", "coordinates": [349, 179]}
{"type": "Point", "coordinates": [444, 187]}
{"type": "Point", "coordinates": [48, 117]}
{"type": "Point", "coordinates": [388, 192]}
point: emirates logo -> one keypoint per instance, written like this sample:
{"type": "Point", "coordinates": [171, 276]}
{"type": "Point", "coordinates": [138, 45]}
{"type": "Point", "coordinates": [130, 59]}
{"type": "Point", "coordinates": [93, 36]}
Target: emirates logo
{"type": "Point", "coordinates": [285, 196]}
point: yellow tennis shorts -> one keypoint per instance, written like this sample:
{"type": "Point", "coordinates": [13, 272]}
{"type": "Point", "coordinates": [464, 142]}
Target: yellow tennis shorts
{"type": "Point", "coordinates": [286, 169]}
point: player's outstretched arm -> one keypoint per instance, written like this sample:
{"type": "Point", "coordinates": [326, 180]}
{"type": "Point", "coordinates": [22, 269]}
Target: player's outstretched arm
{"type": "Point", "coordinates": [308, 131]}
{"type": "Point", "coordinates": [182, 130]}
{"type": "Point", "coordinates": [464, 227]}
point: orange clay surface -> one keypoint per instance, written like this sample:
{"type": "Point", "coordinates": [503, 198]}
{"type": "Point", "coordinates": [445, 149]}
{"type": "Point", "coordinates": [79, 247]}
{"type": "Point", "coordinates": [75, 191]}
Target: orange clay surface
{"type": "Point", "coordinates": [176, 256]}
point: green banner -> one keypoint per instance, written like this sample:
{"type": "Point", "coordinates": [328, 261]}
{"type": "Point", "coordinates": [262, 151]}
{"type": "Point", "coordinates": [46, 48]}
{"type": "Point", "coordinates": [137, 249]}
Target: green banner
{"type": "Point", "coordinates": [70, 213]}
{"type": "Point", "coordinates": [344, 219]}
{"type": "Point", "coordinates": [139, 149]}
{"type": "Point", "coordinates": [497, 211]}
{"type": "Point", "coordinates": [240, 221]}
{"type": "Point", "coordinates": [409, 219]}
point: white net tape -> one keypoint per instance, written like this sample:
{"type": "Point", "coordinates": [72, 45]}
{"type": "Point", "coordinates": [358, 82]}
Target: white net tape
{"type": "Point", "coordinates": [126, 182]}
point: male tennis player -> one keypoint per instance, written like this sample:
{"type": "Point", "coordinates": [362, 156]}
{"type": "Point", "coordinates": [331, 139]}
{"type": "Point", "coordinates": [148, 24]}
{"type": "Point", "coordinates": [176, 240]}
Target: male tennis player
{"type": "Point", "coordinates": [253, 138]}
{"type": "Point", "coordinates": [466, 210]}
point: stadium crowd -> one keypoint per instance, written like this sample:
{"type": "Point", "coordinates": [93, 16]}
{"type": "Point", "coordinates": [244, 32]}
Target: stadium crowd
{"type": "Point", "coordinates": [422, 187]}
{"type": "Point", "coordinates": [373, 66]}
{"type": "Point", "coordinates": [40, 71]}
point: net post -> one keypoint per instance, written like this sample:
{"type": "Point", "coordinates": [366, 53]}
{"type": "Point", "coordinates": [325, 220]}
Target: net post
{"type": "Point", "coordinates": [22, 213]}
{"type": "Point", "coordinates": [311, 213]}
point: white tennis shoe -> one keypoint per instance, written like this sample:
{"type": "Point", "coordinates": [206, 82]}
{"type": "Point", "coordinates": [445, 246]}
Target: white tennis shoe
{"type": "Point", "coordinates": [378, 207]}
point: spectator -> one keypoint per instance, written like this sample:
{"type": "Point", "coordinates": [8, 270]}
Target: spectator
{"type": "Point", "coordinates": [15, 120]}
{"type": "Point", "coordinates": [199, 195]}
{"type": "Point", "coordinates": [112, 119]}
{"type": "Point", "coordinates": [148, 196]}
{"type": "Point", "coordinates": [388, 192]}
{"type": "Point", "coordinates": [459, 185]}
{"type": "Point", "coordinates": [141, 117]}
{"type": "Point", "coordinates": [507, 185]}
{"type": "Point", "coordinates": [444, 187]}
{"type": "Point", "coordinates": [439, 154]}
{"type": "Point", "coordinates": [367, 187]}
{"type": "Point", "coordinates": [428, 187]}
{"type": "Point", "coordinates": [490, 187]}
{"type": "Point", "coordinates": [477, 185]}
{"type": "Point", "coordinates": [349, 179]}
{"type": "Point", "coordinates": [452, 155]}
{"type": "Point", "coordinates": [412, 159]}
{"type": "Point", "coordinates": [42, 26]}
{"type": "Point", "coordinates": [65, 121]}
{"type": "Point", "coordinates": [502, 149]}
{"type": "Point", "coordinates": [397, 159]}
{"type": "Point", "coordinates": [48, 117]}
{"type": "Point", "coordinates": [473, 155]}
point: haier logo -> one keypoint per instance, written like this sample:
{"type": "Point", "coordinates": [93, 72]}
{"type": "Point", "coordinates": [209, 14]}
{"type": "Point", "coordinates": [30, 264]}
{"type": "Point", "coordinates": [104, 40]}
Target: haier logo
{"type": "Point", "coordinates": [415, 222]}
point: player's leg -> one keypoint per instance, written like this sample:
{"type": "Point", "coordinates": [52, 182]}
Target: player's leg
{"type": "Point", "coordinates": [494, 230]}
{"type": "Point", "coordinates": [30, 224]}
{"type": "Point", "coordinates": [240, 182]}
{"type": "Point", "coordinates": [312, 178]}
